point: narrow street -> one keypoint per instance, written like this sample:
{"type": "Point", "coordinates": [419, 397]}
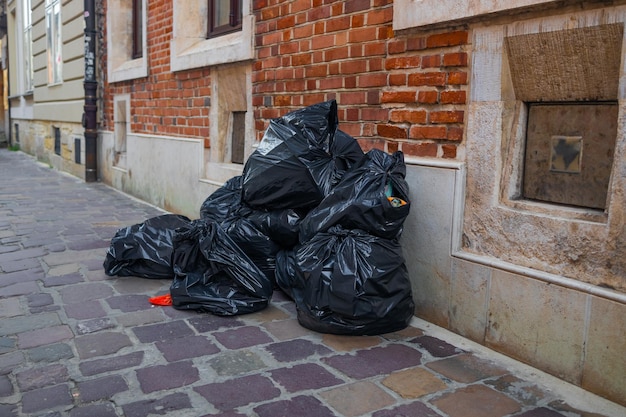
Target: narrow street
{"type": "Point", "coordinates": [74, 342]}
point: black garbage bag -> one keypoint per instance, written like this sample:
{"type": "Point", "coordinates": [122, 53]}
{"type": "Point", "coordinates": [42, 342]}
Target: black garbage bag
{"type": "Point", "coordinates": [372, 196]}
{"type": "Point", "coordinates": [293, 167]}
{"type": "Point", "coordinates": [256, 244]}
{"type": "Point", "coordinates": [348, 282]}
{"type": "Point", "coordinates": [144, 249]}
{"type": "Point", "coordinates": [226, 206]}
{"type": "Point", "coordinates": [226, 199]}
{"type": "Point", "coordinates": [214, 275]}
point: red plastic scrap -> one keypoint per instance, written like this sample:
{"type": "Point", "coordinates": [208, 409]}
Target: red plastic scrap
{"type": "Point", "coordinates": [161, 300]}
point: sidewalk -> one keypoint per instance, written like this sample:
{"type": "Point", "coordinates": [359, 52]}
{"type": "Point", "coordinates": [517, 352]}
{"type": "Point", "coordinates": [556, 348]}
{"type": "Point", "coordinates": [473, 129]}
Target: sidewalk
{"type": "Point", "coordinates": [74, 342]}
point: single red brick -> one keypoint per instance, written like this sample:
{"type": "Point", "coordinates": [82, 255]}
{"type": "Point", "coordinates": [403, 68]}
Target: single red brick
{"type": "Point", "coordinates": [352, 6]}
{"type": "Point", "coordinates": [373, 97]}
{"type": "Point", "coordinates": [457, 59]}
{"type": "Point", "coordinates": [286, 22]}
{"type": "Point", "coordinates": [447, 39]}
{"type": "Point", "coordinates": [358, 21]}
{"type": "Point", "coordinates": [428, 97]}
{"type": "Point", "coordinates": [453, 97]}
{"type": "Point", "coordinates": [372, 80]}
{"type": "Point", "coordinates": [398, 97]}
{"type": "Point", "coordinates": [374, 114]}
{"type": "Point", "coordinates": [457, 78]}
{"type": "Point", "coordinates": [368, 130]}
{"type": "Point", "coordinates": [449, 151]}
{"type": "Point", "coordinates": [396, 46]}
{"type": "Point", "coordinates": [454, 116]}
{"type": "Point", "coordinates": [316, 71]}
{"type": "Point", "coordinates": [376, 48]}
{"type": "Point", "coordinates": [319, 13]}
{"type": "Point", "coordinates": [311, 99]}
{"type": "Point", "coordinates": [431, 61]}
{"type": "Point", "coordinates": [301, 59]}
{"type": "Point", "coordinates": [380, 16]}
{"type": "Point", "coordinates": [352, 129]}
{"type": "Point", "coordinates": [336, 53]}
{"type": "Point", "coordinates": [392, 146]}
{"type": "Point", "coordinates": [427, 78]}
{"type": "Point", "coordinates": [351, 115]}
{"type": "Point", "coordinates": [282, 100]}
{"type": "Point", "coordinates": [391, 131]}
{"type": "Point", "coordinates": [397, 79]}
{"type": "Point", "coordinates": [427, 132]}
{"type": "Point", "coordinates": [408, 116]}
{"type": "Point", "coordinates": [330, 83]}
{"type": "Point", "coordinates": [363, 34]}
{"type": "Point", "coordinates": [416, 44]}
{"type": "Point", "coordinates": [354, 66]}
{"type": "Point", "coordinates": [420, 149]}
{"type": "Point", "coordinates": [455, 133]}
{"type": "Point", "coordinates": [356, 97]}
{"type": "Point", "coordinates": [402, 62]}
{"type": "Point", "coordinates": [340, 23]}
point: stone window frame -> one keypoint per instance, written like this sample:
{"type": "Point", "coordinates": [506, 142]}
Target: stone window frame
{"type": "Point", "coordinates": [190, 48]}
{"type": "Point", "coordinates": [424, 13]}
{"type": "Point", "coordinates": [495, 226]}
{"type": "Point", "coordinates": [28, 72]}
{"type": "Point", "coordinates": [120, 64]}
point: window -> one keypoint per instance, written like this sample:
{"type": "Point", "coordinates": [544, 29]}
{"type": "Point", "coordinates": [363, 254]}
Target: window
{"type": "Point", "coordinates": [190, 47]}
{"type": "Point", "coordinates": [238, 138]}
{"type": "Point", "coordinates": [224, 17]}
{"type": "Point", "coordinates": [126, 40]}
{"type": "Point", "coordinates": [137, 29]}
{"type": "Point", "coordinates": [56, 132]}
{"type": "Point", "coordinates": [28, 46]}
{"type": "Point", "coordinates": [54, 41]}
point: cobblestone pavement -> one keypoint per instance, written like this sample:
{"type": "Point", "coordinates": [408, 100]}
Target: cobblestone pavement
{"type": "Point", "coordinates": [74, 342]}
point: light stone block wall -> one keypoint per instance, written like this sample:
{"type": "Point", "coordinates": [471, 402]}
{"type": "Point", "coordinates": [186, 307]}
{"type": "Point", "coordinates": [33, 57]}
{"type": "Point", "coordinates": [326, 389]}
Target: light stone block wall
{"type": "Point", "coordinates": [574, 332]}
{"type": "Point", "coordinates": [37, 139]}
{"type": "Point", "coordinates": [163, 171]}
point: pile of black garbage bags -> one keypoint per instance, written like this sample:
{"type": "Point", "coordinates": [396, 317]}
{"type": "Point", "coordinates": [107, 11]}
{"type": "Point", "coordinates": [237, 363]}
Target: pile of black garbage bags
{"type": "Point", "coordinates": [311, 214]}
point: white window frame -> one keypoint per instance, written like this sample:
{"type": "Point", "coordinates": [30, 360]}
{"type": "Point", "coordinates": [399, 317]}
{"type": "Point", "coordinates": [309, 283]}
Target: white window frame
{"type": "Point", "coordinates": [54, 41]}
{"type": "Point", "coordinates": [191, 49]}
{"type": "Point", "coordinates": [416, 13]}
{"type": "Point", "coordinates": [120, 64]}
{"type": "Point", "coordinates": [28, 72]}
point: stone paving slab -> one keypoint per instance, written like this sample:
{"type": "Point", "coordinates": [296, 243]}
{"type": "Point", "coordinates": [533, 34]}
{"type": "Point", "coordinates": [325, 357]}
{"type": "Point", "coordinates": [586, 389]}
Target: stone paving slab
{"type": "Point", "coordinates": [76, 343]}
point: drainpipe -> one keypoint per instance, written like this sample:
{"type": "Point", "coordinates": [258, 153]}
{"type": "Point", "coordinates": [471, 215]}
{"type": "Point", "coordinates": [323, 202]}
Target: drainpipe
{"type": "Point", "coordinates": [91, 86]}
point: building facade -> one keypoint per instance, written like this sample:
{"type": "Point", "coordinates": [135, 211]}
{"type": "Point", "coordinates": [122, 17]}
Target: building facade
{"type": "Point", "coordinates": [510, 114]}
{"type": "Point", "coordinates": [45, 80]}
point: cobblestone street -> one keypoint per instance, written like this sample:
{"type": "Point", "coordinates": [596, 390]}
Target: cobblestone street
{"type": "Point", "coordinates": [75, 342]}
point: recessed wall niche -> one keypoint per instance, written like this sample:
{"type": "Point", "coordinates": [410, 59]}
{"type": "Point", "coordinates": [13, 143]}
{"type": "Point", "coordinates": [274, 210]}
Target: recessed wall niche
{"type": "Point", "coordinates": [568, 80]}
{"type": "Point", "coordinates": [558, 81]}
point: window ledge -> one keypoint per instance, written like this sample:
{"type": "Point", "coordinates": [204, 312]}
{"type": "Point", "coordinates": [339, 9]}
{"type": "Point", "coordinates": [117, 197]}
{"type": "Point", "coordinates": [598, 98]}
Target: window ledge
{"type": "Point", "coordinates": [129, 70]}
{"type": "Point", "coordinates": [421, 13]}
{"type": "Point", "coordinates": [220, 172]}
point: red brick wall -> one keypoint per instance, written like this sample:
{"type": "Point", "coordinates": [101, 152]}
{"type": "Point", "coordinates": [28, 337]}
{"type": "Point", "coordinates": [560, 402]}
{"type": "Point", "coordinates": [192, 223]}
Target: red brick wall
{"type": "Point", "coordinates": [394, 91]}
{"type": "Point", "coordinates": [163, 103]}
